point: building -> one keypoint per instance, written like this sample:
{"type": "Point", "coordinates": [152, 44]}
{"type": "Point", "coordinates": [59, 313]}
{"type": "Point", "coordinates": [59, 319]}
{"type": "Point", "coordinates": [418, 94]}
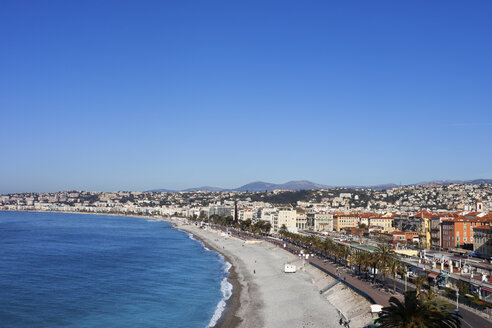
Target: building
{"type": "Point", "coordinates": [301, 221]}
{"type": "Point", "coordinates": [405, 222]}
{"type": "Point", "coordinates": [482, 240]}
{"type": "Point", "coordinates": [221, 210]}
{"type": "Point", "coordinates": [386, 223]}
{"type": "Point", "coordinates": [246, 214]}
{"type": "Point", "coordinates": [424, 229]}
{"type": "Point", "coordinates": [285, 216]}
{"type": "Point", "coordinates": [320, 221]}
{"type": "Point", "coordinates": [405, 236]}
{"type": "Point", "coordinates": [342, 221]}
{"type": "Point", "coordinates": [458, 232]}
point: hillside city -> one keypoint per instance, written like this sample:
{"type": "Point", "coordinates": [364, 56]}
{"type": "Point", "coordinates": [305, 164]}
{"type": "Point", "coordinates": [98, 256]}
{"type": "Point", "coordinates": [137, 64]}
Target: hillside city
{"type": "Point", "coordinates": [427, 217]}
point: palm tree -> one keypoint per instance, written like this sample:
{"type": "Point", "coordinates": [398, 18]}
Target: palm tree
{"type": "Point", "coordinates": [416, 313]}
{"type": "Point", "coordinates": [373, 262]}
{"type": "Point", "coordinates": [362, 262]}
{"type": "Point", "coordinates": [356, 260]}
{"type": "Point", "coordinates": [395, 267]}
{"type": "Point", "coordinates": [419, 282]}
{"type": "Point", "coordinates": [347, 254]}
{"type": "Point", "coordinates": [384, 254]}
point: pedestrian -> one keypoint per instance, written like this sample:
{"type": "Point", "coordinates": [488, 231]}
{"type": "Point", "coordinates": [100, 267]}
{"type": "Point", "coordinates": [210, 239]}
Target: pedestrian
{"type": "Point", "coordinates": [254, 271]}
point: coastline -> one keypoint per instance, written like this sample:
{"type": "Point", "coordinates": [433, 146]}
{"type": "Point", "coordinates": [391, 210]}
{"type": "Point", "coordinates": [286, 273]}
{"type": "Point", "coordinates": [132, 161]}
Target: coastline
{"type": "Point", "coordinates": [257, 302]}
{"type": "Point", "coordinates": [157, 218]}
{"type": "Point", "coordinates": [228, 316]}
{"type": "Point", "coordinates": [269, 297]}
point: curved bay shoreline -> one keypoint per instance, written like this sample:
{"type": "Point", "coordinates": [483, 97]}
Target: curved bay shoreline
{"type": "Point", "coordinates": [262, 295]}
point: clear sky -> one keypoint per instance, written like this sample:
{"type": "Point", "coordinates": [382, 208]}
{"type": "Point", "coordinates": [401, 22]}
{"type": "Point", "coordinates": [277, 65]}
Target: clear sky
{"type": "Point", "coordinates": [136, 95]}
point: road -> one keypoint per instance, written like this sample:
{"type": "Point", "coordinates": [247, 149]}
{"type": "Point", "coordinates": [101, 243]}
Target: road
{"type": "Point", "coordinates": [379, 295]}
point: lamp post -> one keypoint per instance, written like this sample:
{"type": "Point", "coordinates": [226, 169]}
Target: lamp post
{"type": "Point", "coordinates": [457, 302]}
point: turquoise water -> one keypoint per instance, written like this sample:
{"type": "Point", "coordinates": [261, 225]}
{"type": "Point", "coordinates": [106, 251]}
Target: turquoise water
{"type": "Point", "coordinates": [74, 270]}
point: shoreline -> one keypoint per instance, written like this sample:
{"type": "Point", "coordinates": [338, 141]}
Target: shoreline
{"type": "Point", "coordinates": [252, 302]}
{"type": "Point", "coordinates": [228, 316]}
{"type": "Point", "coordinates": [156, 218]}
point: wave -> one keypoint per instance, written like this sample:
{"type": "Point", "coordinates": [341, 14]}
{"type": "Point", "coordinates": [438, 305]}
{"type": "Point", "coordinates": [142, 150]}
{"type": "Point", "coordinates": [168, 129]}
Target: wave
{"type": "Point", "coordinates": [226, 289]}
{"type": "Point", "coordinates": [192, 237]}
{"type": "Point", "coordinates": [225, 285]}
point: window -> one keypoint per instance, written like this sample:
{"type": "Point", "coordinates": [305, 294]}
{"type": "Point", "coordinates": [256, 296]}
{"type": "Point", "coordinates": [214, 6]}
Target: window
{"type": "Point", "coordinates": [457, 238]}
{"type": "Point", "coordinates": [464, 238]}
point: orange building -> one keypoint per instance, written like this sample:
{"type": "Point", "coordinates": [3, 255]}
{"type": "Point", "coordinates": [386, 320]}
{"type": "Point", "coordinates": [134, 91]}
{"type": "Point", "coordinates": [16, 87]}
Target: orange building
{"type": "Point", "coordinates": [458, 231]}
{"type": "Point", "coordinates": [404, 236]}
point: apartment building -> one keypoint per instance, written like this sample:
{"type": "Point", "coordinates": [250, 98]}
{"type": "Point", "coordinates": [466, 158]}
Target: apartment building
{"type": "Point", "coordinates": [285, 216]}
{"type": "Point", "coordinates": [342, 220]}
{"type": "Point", "coordinates": [320, 221]}
{"type": "Point", "coordinates": [246, 214]}
{"type": "Point", "coordinates": [458, 231]}
{"type": "Point", "coordinates": [386, 223]}
{"type": "Point", "coordinates": [482, 240]}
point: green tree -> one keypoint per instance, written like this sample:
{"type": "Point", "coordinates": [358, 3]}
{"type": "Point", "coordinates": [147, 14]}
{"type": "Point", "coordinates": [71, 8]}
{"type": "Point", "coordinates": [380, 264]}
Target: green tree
{"type": "Point", "coordinates": [417, 313]}
{"type": "Point", "coordinates": [384, 255]}
{"type": "Point", "coordinates": [395, 267]}
{"type": "Point", "coordinates": [420, 282]}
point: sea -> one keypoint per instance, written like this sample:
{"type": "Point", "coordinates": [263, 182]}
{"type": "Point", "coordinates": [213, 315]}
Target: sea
{"type": "Point", "coordinates": [77, 270]}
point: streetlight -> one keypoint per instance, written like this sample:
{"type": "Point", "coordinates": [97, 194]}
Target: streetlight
{"type": "Point", "coordinates": [457, 295]}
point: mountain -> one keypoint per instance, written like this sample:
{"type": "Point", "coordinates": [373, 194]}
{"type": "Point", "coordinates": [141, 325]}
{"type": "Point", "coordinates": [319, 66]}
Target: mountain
{"type": "Point", "coordinates": [308, 185]}
{"type": "Point", "coordinates": [161, 190]}
{"type": "Point", "coordinates": [291, 185]}
{"type": "Point", "coordinates": [205, 188]}
{"type": "Point", "coordinates": [257, 186]}
{"type": "Point", "coordinates": [384, 186]}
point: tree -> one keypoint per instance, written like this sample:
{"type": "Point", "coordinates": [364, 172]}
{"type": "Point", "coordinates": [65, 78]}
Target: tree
{"type": "Point", "coordinates": [417, 313]}
{"type": "Point", "coordinates": [245, 224]}
{"type": "Point", "coordinates": [419, 282]}
{"type": "Point", "coordinates": [463, 288]}
{"type": "Point", "coordinates": [395, 267]}
{"type": "Point", "coordinates": [384, 255]}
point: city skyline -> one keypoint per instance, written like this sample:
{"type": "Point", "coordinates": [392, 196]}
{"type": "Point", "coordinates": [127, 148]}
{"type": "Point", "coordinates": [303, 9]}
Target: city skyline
{"type": "Point", "coordinates": [120, 96]}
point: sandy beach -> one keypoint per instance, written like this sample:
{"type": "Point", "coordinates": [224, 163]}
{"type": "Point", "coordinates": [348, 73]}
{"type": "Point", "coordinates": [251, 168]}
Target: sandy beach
{"type": "Point", "coordinates": [265, 296]}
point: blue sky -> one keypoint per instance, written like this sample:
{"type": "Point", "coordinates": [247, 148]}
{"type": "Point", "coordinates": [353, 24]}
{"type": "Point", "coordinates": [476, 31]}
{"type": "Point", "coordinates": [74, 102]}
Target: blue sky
{"type": "Point", "coordinates": [135, 95]}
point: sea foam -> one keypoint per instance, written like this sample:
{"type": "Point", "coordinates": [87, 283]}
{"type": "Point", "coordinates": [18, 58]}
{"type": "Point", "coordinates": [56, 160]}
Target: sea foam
{"type": "Point", "coordinates": [226, 289]}
{"type": "Point", "coordinates": [225, 286]}
{"type": "Point", "coordinates": [192, 237]}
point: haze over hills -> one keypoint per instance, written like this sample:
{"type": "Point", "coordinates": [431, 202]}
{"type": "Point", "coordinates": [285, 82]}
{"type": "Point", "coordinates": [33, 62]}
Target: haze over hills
{"type": "Point", "coordinates": [308, 185]}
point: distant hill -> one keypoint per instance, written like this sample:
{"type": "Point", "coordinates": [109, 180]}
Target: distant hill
{"type": "Point", "coordinates": [448, 182]}
{"type": "Point", "coordinates": [161, 190]}
{"type": "Point", "coordinates": [205, 188]}
{"type": "Point", "coordinates": [291, 185]}
{"type": "Point", "coordinates": [384, 186]}
{"type": "Point", "coordinates": [308, 185]}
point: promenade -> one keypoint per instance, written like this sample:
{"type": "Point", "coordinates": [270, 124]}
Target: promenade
{"type": "Point", "coordinates": [372, 292]}
{"type": "Point", "coordinates": [378, 295]}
